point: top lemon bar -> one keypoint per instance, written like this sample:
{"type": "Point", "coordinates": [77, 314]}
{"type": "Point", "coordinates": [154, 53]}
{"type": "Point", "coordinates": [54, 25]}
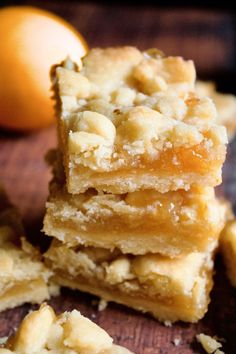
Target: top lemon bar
{"type": "Point", "coordinates": [130, 120]}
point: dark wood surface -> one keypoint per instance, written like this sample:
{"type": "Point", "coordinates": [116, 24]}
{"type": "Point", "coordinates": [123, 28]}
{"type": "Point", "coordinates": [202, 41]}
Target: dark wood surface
{"type": "Point", "coordinates": [207, 36]}
{"type": "Point", "coordinates": [25, 174]}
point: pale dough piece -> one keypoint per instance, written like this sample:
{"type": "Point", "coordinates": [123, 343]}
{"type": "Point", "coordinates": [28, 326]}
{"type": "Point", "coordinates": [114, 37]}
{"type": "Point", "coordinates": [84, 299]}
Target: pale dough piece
{"type": "Point", "coordinates": [43, 332]}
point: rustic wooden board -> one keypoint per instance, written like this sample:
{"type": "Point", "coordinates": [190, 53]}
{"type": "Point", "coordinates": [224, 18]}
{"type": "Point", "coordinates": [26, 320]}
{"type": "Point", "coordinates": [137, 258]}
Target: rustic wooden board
{"type": "Point", "coordinates": [25, 174]}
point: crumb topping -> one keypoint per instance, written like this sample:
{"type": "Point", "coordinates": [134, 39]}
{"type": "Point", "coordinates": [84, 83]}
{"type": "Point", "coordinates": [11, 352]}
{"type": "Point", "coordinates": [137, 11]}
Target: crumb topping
{"type": "Point", "coordinates": [124, 103]}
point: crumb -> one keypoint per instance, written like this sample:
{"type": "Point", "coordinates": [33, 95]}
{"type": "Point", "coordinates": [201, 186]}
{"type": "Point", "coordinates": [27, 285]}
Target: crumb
{"type": "Point", "coordinates": [168, 323]}
{"type": "Point", "coordinates": [102, 305]}
{"type": "Point", "coordinates": [93, 316]}
{"type": "Point", "coordinates": [209, 344]}
{"type": "Point", "coordinates": [175, 160]}
{"type": "Point", "coordinates": [177, 341]}
{"type": "Point", "coordinates": [3, 340]}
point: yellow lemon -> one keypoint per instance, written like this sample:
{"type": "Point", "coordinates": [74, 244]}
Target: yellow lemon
{"type": "Point", "coordinates": [32, 40]}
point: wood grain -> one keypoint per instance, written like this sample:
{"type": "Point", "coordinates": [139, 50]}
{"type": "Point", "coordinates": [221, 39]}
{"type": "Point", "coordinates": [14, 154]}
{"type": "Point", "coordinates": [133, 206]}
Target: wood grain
{"type": "Point", "coordinates": [26, 176]}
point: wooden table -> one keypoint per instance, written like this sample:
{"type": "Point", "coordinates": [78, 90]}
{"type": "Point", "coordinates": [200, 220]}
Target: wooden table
{"type": "Point", "coordinates": [25, 175]}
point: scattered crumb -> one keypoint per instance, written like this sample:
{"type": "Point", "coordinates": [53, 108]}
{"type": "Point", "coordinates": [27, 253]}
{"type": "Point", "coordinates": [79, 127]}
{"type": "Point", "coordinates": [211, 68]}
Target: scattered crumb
{"type": "Point", "coordinates": [209, 344]}
{"type": "Point", "coordinates": [168, 323]}
{"type": "Point", "coordinates": [54, 289]}
{"type": "Point", "coordinates": [102, 305]}
{"type": "Point", "coordinates": [177, 341]}
{"type": "Point", "coordinates": [3, 340]}
{"type": "Point", "coordinates": [93, 316]}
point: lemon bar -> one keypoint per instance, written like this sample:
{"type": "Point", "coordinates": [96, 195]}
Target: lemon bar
{"type": "Point", "coordinates": [130, 120]}
{"type": "Point", "coordinates": [225, 105]}
{"type": "Point", "coordinates": [23, 276]}
{"type": "Point", "coordinates": [169, 289]}
{"type": "Point", "coordinates": [228, 249]}
{"type": "Point", "coordinates": [171, 223]}
{"type": "Point", "coordinates": [42, 331]}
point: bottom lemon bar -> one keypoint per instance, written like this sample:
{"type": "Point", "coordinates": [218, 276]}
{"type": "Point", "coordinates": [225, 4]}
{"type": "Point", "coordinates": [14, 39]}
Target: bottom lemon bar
{"type": "Point", "coordinates": [70, 333]}
{"type": "Point", "coordinates": [228, 249]}
{"type": "Point", "coordinates": [169, 289]}
{"type": "Point", "coordinates": [23, 276]}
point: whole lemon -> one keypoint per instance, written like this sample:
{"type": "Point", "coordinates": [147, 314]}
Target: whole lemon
{"type": "Point", "coordinates": [32, 40]}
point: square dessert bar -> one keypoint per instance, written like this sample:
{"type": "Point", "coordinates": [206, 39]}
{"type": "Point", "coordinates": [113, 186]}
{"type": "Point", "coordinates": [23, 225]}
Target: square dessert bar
{"type": "Point", "coordinates": [172, 223]}
{"type": "Point", "coordinates": [169, 289]}
{"type": "Point", "coordinates": [225, 105]}
{"type": "Point", "coordinates": [43, 332]}
{"type": "Point", "coordinates": [130, 120]}
{"type": "Point", "coordinates": [228, 249]}
{"type": "Point", "coordinates": [23, 276]}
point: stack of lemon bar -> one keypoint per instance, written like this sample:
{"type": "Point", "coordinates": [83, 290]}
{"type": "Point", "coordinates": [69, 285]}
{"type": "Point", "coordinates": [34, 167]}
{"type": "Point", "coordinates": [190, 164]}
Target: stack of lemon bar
{"type": "Point", "coordinates": [132, 207]}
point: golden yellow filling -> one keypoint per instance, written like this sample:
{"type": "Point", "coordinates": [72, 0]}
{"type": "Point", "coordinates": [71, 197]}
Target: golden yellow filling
{"type": "Point", "coordinates": [170, 223]}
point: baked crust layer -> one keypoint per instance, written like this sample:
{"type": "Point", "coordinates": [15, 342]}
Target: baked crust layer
{"type": "Point", "coordinates": [130, 120]}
